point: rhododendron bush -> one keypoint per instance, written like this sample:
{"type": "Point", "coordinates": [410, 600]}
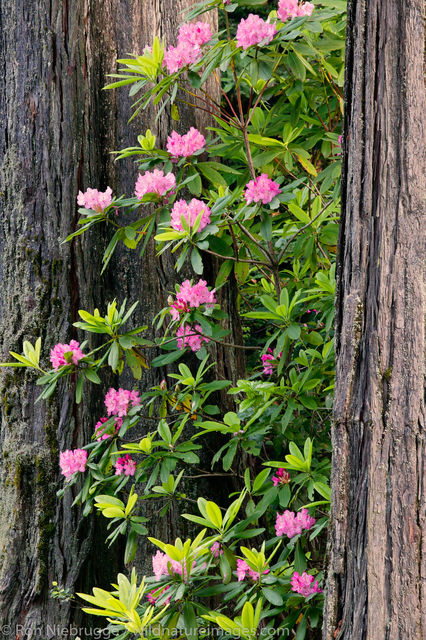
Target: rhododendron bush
{"type": "Point", "coordinates": [259, 191]}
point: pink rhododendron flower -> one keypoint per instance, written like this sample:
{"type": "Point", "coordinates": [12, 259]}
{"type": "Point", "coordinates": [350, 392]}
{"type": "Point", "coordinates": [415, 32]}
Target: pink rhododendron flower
{"type": "Point", "coordinates": [192, 296]}
{"type": "Point", "coordinates": [243, 569]}
{"type": "Point", "coordinates": [291, 524]}
{"type": "Point", "coordinates": [184, 54]}
{"type": "Point", "coordinates": [216, 550]}
{"type": "Point", "coordinates": [282, 477]}
{"type": "Point", "coordinates": [160, 565]}
{"type": "Point", "coordinates": [118, 402]}
{"type": "Point", "coordinates": [94, 199]}
{"type": "Point", "coordinates": [305, 9]}
{"type": "Point", "coordinates": [261, 189]}
{"type": "Point", "coordinates": [190, 211]}
{"type": "Point", "coordinates": [177, 307]}
{"type": "Point", "coordinates": [303, 584]}
{"type": "Point", "coordinates": [57, 354]}
{"type": "Point", "coordinates": [125, 465]}
{"type": "Point", "coordinates": [188, 50]}
{"type": "Point", "coordinates": [305, 519]}
{"type": "Point", "coordinates": [254, 30]}
{"type": "Point", "coordinates": [154, 182]}
{"type": "Point", "coordinates": [292, 9]}
{"type": "Point", "coordinates": [267, 359]}
{"type": "Point", "coordinates": [195, 33]}
{"type": "Point", "coordinates": [188, 337]}
{"type": "Point", "coordinates": [101, 431]}
{"type": "Point", "coordinates": [187, 144]}
{"type": "Point", "coordinates": [287, 524]}
{"type": "Point", "coordinates": [72, 461]}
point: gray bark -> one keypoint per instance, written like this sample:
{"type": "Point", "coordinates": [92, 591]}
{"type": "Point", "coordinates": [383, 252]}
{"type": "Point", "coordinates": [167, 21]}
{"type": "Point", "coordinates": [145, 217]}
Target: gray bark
{"type": "Point", "coordinates": [56, 131]}
{"type": "Point", "coordinates": [377, 566]}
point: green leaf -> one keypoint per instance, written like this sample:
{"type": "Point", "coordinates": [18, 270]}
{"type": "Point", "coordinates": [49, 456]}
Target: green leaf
{"type": "Point", "coordinates": [299, 559]}
{"type": "Point", "coordinates": [196, 261]}
{"type": "Point", "coordinates": [114, 354]}
{"type": "Point", "coordinates": [92, 376]}
{"type": "Point", "coordinates": [260, 480]}
{"type": "Point", "coordinates": [223, 273]}
{"type": "Point", "coordinates": [302, 629]}
{"type": "Point", "coordinates": [190, 622]}
{"type": "Point", "coordinates": [214, 514]}
{"type": "Point", "coordinates": [293, 331]}
{"type": "Point", "coordinates": [167, 358]}
{"type": "Point", "coordinates": [79, 388]}
{"type": "Point", "coordinates": [230, 455]}
{"type": "Point", "coordinates": [211, 174]}
{"type": "Point", "coordinates": [131, 546]}
{"type": "Point", "coordinates": [273, 596]}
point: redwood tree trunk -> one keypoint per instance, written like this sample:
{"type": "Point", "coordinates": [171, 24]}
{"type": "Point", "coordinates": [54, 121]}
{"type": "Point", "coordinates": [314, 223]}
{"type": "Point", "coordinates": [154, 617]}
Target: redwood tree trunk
{"type": "Point", "coordinates": [377, 567]}
{"type": "Point", "coordinates": [56, 131]}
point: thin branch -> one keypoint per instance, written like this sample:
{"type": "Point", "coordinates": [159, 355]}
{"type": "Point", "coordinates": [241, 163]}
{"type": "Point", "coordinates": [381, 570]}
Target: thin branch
{"type": "Point", "coordinates": [218, 255]}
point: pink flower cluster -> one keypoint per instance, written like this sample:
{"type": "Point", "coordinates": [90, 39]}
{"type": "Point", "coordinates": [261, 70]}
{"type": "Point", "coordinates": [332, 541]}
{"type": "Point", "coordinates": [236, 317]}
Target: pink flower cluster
{"type": "Point", "coordinates": [190, 211]}
{"type": "Point", "coordinates": [267, 359]}
{"type": "Point", "coordinates": [261, 189]}
{"type": "Point", "coordinates": [303, 584]}
{"type": "Point", "coordinates": [185, 145]}
{"type": "Point", "coordinates": [154, 182]}
{"type": "Point", "coordinates": [100, 431]}
{"type": "Point", "coordinates": [292, 9]}
{"type": "Point", "coordinates": [216, 550]}
{"type": "Point", "coordinates": [195, 33]}
{"type": "Point", "coordinates": [72, 461]}
{"type": "Point", "coordinates": [177, 57]}
{"type": "Point", "coordinates": [243, 569]}
{"type": "Point", "coordinates": [188, 337]}
{"type": "Point", "coordinates": [289, 524]}
{"type": "Point", "coordinates": [118, 402]}
{"type": "Point", "coordinates": [254, 30]}
{"type": "Point", "coordinates": [160, 568]}
{"type": "Point", "coordinates": [125, 465]}
{"type": "Point", "coordinates": [94, 199]}
{"type": "Point", "coordinates": [188, 50]}
{"type": "Point", "coordinates": [282, 477]}
{"type": "Point", "coordinates": [192, 296]}
{"type": "Point", "coordinates": [157, 593]}
{"type": "Point", "coordinates": [57, 354]}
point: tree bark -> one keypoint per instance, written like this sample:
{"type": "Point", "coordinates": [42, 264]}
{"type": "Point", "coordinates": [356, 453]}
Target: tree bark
{"type": "Point", "coordinates": [377, 566]}
{"type": "Point", "coordinates": [56, 131]}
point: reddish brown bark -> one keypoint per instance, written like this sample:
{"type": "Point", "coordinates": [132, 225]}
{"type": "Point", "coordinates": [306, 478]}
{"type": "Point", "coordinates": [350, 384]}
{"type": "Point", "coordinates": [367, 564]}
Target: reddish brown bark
{"type": "Point", "coordinates": [56, 131]}
{"type": "Point", "coordinates": [377, 568]}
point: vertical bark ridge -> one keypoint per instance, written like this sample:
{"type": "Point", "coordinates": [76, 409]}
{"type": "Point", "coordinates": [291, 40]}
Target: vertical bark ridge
{"type": "Point", "coordinates": [56, 131]}
{"type": "Point", "coordinates": [376, 579]}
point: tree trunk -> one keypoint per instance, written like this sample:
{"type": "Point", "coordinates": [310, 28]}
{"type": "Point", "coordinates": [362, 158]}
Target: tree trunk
{"type": "Point", "coordinates": [56, 131]}
{"type": "Point", "coordinates": [377, 566]}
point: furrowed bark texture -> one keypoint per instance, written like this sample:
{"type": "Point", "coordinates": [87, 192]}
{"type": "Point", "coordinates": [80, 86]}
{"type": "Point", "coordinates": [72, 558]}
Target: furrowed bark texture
{"type": "Point", "coordinates": [377, 570]}
{"type": "Point", "coordinates": [56, 131]}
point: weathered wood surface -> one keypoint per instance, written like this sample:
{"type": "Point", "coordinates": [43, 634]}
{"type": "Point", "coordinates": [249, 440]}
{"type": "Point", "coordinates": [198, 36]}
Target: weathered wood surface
{"type": "Point", "coordinates": [377, 567]}
{"type": "Point", "coordinates": [56, 131]}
